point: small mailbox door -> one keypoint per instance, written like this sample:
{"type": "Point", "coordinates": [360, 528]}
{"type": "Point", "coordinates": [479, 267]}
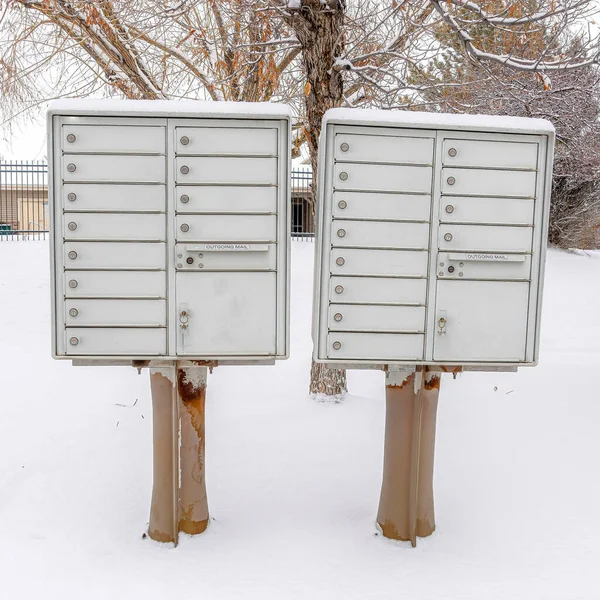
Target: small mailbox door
{"type": "Point", "coordinates": [226, 314]}
{"type": "Point", "coordinates": [481, 320]}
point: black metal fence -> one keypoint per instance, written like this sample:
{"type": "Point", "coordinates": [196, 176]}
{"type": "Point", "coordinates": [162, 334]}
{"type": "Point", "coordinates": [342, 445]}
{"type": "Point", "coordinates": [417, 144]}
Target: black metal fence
{"type": "Point", "coordinates": [24, 201]}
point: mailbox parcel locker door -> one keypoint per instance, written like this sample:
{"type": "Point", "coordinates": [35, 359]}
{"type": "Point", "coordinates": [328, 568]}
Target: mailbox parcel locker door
{"type": "Point", "coordinates": [484, 320]}
{"type": "Point", "coordinates": [226, 199]}
{"type": "Point", "coordinates": [228, 314]}
{"type": "Point", "coordinates": [116, 139]}
{"type": "Point", "coordinates": [226, 141]}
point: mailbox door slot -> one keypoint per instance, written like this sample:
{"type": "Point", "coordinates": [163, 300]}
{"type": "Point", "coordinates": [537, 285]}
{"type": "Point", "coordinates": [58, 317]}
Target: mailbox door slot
{"type": "Point", "coordinates": [488, 153]}
{"type": "Point", "coordinates": [484, 320]}
{"type": "Point", "coordinates": [226, 141]}
{"type": "Point", "coordinates": [399, 263]}
{"type": "Point", "coordinates": [379, 234]}
{"type": "Point", "coordinates": [113, 169]}
{"type": "Point", "coordinates": [377, 290]}
{"type": "Point", "coordinates": [113, 139]}
{"type": "Point", "coordinates": [357, 317]}
{"type": "Point", "coordinates": [501, 211]}
{"type": "Point", "coordinates": [231, 171]}
{"type": "Point", "coordinates": [114, 227]}
{"type": "Point", "coordinates": [375, 346]}
{"type": "Point", "coordinates": [113, 312]}
{"type": "Point", "coordinates": [115, 284]}
{"type": "Point", "coordinates": [227, 228]}
{"type": "Point", "coordinates": [227, 313]}
{"type": "Point", "coordinates": [95, 341]}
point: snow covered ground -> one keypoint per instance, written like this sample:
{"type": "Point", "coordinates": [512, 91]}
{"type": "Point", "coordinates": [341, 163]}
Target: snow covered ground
{"type": "Point", "coordinates": [294, 485]}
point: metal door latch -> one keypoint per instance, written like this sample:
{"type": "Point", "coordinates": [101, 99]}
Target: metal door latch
{"type": "Point", "coordinates": [442, 326]}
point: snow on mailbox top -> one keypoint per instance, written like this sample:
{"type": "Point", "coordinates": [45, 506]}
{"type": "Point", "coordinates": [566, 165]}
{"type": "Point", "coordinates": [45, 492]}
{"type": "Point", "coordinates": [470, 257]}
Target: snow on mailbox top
{"type": "Point", "coordinates": [425, 120]}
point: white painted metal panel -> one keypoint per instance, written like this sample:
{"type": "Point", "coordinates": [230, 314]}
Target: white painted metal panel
{"type": "Point", "coordinates": [114, 255]}
{"type": "Point", "coordinates": [108, 226]}
{"type": "Point", "coordinates": [488, 182]}
{"type": "Point", "coordinates": [226, 170]}
{"type": "Point", "coordinates": [115, 284]}
{"type": "Point", "coordinates": [389, 207]}
{"type": "Point", "coordinates": [96, 341]}
{"type": "Point", "coordinates": [222, 257]}
{"type": "Point", "coordinates": [113, 168]}
{"type": "Point", "coordinates": [485, 238]}
{"type": "Point", "coordinates": [113, 312]}
{"type": "Point", "coordinates": [374, 234]}
{"type": "Point", "coordinates": [362, 317]}
{"type": "Point", "coordinates": [490, 153]}
{"type": "Point", "coordinates": [479, 265]}
{"type": "Point", "coordinates": [226, 199]}
{"type": "Point", "coordinates": [115, 139]}
{"type": "Point", "coordinates": [397, 263]}
{"type": "Point", "coordinates": [375, 346]}
{"type": "Point", "coordinates": [229, 313]}
{"type": "Point", "coordinates": [384, 149]}
{"type": "Point", "coordinates": [377, 290]}
{"type": "Point", "coordinates": [385, 178]}
{"type": "Point", "coordinates": [115, 198]}
{"type": "Point", "coordinates": [227, 228]}
{"type": "Point", "coordinates": [485, 320]}
{"type": "Point", "coordinates": [226, 141]}
{"type": "Point", "coordinates": [508, 211]}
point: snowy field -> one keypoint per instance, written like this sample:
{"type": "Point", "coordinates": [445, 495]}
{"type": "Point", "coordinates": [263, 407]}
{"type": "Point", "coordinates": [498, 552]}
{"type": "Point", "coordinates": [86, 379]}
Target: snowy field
{"type": "Point", "coordinates": [294, 485]}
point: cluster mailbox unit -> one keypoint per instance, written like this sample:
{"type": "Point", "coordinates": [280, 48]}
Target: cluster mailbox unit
{"type": "Point", "coordinates": [431, 239]}
{"type": "Point", "coordinates": [170, 230]}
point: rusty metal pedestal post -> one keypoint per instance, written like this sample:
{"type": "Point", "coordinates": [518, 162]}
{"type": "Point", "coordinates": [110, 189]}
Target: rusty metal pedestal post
{"type": "Point", "coordinates": [179, 500]}
{"type": "Point", "coordinates": [406, 508]}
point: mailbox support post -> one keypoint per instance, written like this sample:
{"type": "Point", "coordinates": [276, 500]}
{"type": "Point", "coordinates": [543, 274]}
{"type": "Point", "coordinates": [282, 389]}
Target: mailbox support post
{"type": "Point", "coordinates": [191, 387]}
{"type": "Point", "coordinates": [179, 500]}
{"type": "Point", "coordinates": [406, 507]}
{"type": "Point", "coordinates": [163, 526]}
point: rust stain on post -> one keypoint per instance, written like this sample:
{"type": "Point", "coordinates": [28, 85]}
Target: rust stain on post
{"type": "Point", "coordinates": [191, 387]}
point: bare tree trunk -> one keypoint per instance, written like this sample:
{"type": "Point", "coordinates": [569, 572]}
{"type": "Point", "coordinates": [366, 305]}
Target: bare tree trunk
{"type": "Point", "coordinates": [320, 31]}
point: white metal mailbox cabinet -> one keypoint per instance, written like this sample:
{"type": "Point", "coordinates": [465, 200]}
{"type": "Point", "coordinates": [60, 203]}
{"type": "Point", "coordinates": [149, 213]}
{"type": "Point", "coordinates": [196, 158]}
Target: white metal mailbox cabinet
{"type": "Point", "coordinates": [431, 239]}
{"type": "Point", "coordinates": [170, 230]}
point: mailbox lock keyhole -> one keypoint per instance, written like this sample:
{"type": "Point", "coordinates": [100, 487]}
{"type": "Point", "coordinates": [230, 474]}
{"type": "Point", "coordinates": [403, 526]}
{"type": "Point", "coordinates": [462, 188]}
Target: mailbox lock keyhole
{"type": "Point", "coordinates": [184, 319]}
{"type": "Point", "coordinates": [442, 326]}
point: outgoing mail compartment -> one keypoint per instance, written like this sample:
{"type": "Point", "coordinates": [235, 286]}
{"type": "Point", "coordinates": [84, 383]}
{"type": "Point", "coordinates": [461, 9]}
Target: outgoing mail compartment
{"type": "Point", "coordinates": [485, 238]}
{"type": "Point", "coordinates": [509, 211]}
{"type": "Point", "coordinates": [227, 228]}
{"type": "Point", "coordinates": [389, 207]}
{"type": "Point", "coordinates": [356, 317]}
{"type": "Point", "coordinates": [226, 199]}
{"type": "Point", "coordinates": [114, 139]}
{"type": "Point", "coordinates": [227, 257]}
{"type": "Point", "coordinates": [114, 255]}
{"type": "Point", "coordinates": [116, 198]}
{"type": "Point", "coordinates": [377, 290]}
{"type": "Point", "coordinates": [94, 312]}
{"type": "Point", "coordinates": [374, 234]}
{"type": "Point", "coordinates": [223, 141]}
{"type": "Point", "coordinates": [484, 265]}
{"type": "Point", "coordinates": [228, 313]}
{"type": "Point", "coordinates": [488, 182]}
{"type": "Point", "coordinates": [103, 226]}
{"type": "Point", "coordinates": [113, 169]}
{"type": "Point", "coordinates": [121, 341]}
{"type": "Point", "coordinates": [399, 263]}
{"type": "Point", "coordinates": [375, 346]}
{"type": "Point", "coordinates": [385, 178]}
{"type": "Point", "coordinates": [384, 149]}
{"type": "Point", "coordinates": [115, 284]}
{"type": "Point", "coordinates": [484, 321]}
{"type": "Point", "coordinates": [486, 153]}
{"type": "Point", "coordinates": [231, 171]}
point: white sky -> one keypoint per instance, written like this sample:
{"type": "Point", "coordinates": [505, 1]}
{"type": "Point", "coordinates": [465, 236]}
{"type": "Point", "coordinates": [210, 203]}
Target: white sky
{"type": "Point", "coordinates": [24, 140]}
